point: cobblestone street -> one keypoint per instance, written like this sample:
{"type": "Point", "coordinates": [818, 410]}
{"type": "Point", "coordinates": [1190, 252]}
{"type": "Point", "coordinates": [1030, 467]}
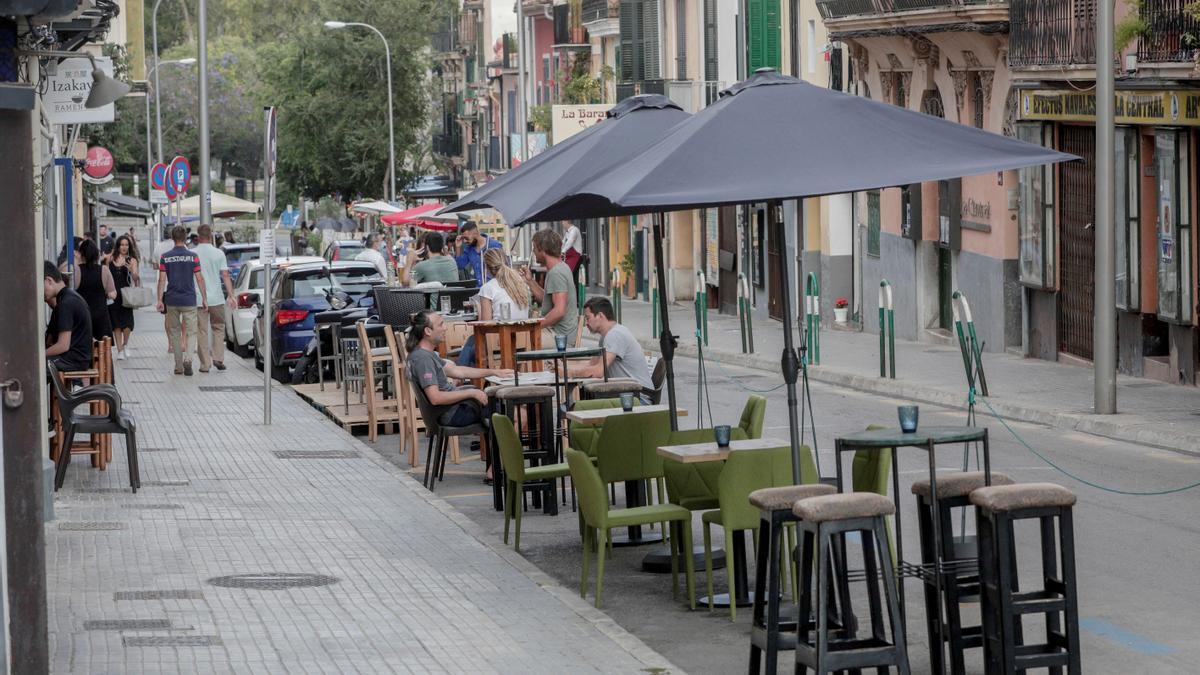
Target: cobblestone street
{"type": "Point", "coordinates": [414, 586]}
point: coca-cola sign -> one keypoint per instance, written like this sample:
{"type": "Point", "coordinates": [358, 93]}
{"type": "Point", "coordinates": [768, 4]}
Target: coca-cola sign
{"type": "Point", "coordinates": [98, 166]}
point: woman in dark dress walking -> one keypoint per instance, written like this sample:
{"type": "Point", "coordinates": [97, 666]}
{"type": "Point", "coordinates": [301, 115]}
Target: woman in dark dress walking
{"type": "Point", "coordinates": [123, 267]}
{"type": "Point", "coordinates": [94, 282]}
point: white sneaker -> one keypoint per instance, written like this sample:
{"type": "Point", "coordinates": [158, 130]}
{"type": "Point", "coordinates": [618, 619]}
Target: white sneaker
{"type": "Point", "coordinates": [121, 355]}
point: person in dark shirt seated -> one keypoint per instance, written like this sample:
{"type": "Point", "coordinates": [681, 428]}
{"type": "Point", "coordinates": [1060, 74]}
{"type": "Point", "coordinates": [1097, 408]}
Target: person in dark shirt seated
{"type": "Point", "coordinates": [69, 334]}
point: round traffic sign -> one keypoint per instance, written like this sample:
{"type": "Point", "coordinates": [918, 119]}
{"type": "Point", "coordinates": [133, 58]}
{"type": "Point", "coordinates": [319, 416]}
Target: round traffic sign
{"type": "Point", "coordinates": [158, 176]}
{"type": "Point", "coordinates": [169, 188]}
{"type": "Point", "coordinates": [180, 174]}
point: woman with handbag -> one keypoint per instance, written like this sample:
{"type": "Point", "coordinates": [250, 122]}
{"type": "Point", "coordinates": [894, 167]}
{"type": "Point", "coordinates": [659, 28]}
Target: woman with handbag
{"type": "Point", "coordinates": [124, 269]}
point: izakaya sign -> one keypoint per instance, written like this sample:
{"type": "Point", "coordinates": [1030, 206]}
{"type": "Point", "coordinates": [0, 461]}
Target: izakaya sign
{"type": "Point", "coordinates": [98, 167]}
{"type": "Point", "coordinates": [68, 88]}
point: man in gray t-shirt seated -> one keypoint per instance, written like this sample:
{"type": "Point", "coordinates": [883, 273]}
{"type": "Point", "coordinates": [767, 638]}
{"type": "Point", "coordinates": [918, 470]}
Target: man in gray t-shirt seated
{"type": "Point", "coordinates": [457, 406]}
{"type": "Point", "coordinates": [621, 349]}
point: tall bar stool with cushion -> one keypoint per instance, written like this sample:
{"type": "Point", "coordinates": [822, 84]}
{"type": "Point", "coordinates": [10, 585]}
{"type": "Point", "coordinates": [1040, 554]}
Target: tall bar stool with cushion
{"type": "Point", "coordinates": [822, 520]}
{"type": "Point", "coordinates": [775, 512]}
{"type": "Point", "coordinates": [997, 508]}
{"type": "Point", "coordinates": [954, 491]}
{"type": "Point", "coordinates": [534, 404]}
{"type": "Point", "coordinates": [116, 420]}
{"type": "Point", "coordinates": [608, 389]}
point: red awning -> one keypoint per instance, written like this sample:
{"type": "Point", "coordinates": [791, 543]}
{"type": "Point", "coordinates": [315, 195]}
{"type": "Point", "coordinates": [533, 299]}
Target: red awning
{"type": "Point", "coordinates": [413, 217]}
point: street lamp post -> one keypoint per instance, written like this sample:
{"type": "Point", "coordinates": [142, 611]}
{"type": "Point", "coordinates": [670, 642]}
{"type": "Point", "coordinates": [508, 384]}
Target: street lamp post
{"type": "Point", "coordinates": [333, 25]}
{"type": "Point", "coordinates": [205, 173]}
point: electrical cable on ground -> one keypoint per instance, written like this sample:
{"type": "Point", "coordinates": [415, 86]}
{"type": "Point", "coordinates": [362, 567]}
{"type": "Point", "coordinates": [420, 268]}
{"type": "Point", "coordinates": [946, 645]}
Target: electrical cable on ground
{"type": "Point", "coordinates": [1134, 493]}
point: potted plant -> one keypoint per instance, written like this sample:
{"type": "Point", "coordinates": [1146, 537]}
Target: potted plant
{"type": "Point", "coordinates": [841, 307]}
{"type": "Point", "coordinates": [628, 266]}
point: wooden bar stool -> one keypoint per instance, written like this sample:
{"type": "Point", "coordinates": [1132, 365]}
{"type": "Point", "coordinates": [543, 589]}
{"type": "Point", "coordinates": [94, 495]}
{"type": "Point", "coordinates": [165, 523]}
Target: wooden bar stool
{"type": "Point", "coordinates": [958, 587]}
{"type": "Point", "coordinates": [822, 520]}
{"type": "Point", "coordinates": [996, 510]}
{"type": "Point", "coordinates": [775, 507]}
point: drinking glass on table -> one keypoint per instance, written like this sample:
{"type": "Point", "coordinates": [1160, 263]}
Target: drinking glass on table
{"type": "Point", "coordinates": [445, 300]}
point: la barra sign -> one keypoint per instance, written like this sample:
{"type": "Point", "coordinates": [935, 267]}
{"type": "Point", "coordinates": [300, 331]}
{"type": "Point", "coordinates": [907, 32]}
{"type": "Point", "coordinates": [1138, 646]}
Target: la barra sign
{"type": "Point", "coordinates": [98, 167]}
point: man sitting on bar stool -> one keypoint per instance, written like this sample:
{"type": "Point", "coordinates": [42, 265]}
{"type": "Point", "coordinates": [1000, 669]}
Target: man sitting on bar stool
{"type": "Point", "coordinates": [621, 348]}
{"type": "Point", "coordinates": [69, 333]}
{"type": "Point", "coordinates": [458, 406]}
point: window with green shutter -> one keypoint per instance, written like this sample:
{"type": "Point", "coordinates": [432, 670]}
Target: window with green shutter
{"type": "Point", "coordinates": [638, 55]}
{"type": "Point", "coordinates": [873, 223]}
{"type": "Point", "coordinates": [762, 34]}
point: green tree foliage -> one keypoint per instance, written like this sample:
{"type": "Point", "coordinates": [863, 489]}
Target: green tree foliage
{"type": "Point", "coordinates": [330, 87]}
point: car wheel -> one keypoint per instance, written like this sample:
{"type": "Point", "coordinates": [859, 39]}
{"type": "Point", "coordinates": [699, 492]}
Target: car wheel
{"type": "Point", "coordinates": [305, 371]}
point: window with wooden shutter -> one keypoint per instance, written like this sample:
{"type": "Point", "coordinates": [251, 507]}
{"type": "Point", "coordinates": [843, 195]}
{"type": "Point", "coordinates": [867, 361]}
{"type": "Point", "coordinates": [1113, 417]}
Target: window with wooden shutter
{"type": "Point", "coordinates": [627, 21]}
{"type": "Point", "coordinates": [710, 40]}
{"type": "Point", "coordinates": [650, 41]}
{"type": "Point", "coordinates": [681, 39]}
{"type": "Point", "coordinates": [762, 34]}
{"type": "Point", "coordinates": [771, 34]}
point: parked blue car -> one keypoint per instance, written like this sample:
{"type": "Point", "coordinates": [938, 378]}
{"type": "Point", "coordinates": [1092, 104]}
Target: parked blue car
{"type": "Point", "coordinates": [298, 293]}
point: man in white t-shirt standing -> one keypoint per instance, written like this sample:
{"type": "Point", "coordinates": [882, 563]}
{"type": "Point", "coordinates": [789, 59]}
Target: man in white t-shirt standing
{"type": "Point", "coordinates": [372, 255]}
{"type": "Point", "coordinates": [210, 333]}
{"type": "Point", "coordinates": [621, 349]}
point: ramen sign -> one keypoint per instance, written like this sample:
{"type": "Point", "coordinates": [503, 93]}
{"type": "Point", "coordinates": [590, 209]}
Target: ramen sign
{"type": "Point", "coordinates": [98, 167]}
{"type": "Point", "coordinates": [67, 90]}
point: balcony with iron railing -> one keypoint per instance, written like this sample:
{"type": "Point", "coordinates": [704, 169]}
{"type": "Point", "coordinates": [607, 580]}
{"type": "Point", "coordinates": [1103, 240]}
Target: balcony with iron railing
{"type": "Point", "coordinates": [596, 10]}
{"type": "Point", "coordinates": [1171, 34]}
{"type": "Point", "coordinates": [627, 89]}
{"type": "Point", "coordinates": [1051, 33]}
{"type": "Point", "coordinates": [838, 9]}
{"type": "Point", "coordinates": [444, 42]}
{"type": "Point", "coordinates": [447, 145]}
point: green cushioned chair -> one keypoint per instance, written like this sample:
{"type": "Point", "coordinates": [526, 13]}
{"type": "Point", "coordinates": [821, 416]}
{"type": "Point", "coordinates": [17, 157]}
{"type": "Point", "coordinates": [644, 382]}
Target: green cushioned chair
{"type": "Point", "coordinates": [598, 520]}
{"type": "Point", "coordinates": [627, 449]}
{"type": "Point", "coordinates": [694, 486]}
{"type": "Point", "coordinates": [871, 472]}
{"type": "Point", "coordinates": [746, 471]}
{"type": "Point", "coordinates": [516, 474]}
{"type": "Point", "coordinates": [583, 437]}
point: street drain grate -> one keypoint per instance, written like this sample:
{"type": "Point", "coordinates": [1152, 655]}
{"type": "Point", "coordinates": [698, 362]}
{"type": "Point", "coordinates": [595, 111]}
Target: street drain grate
{"type": "Point", "coordinates": [157, 449]}
{"type": "Point", "coordinates": [90, 526]}
{"type": "Point", "coordinates": [316, 454]}
{"type": "Point", "coordinates": [127, 624]}
{"type": "Point", "coordinates": [147, 381]}
{"type": "Point", "coordinates": [166, 483]}
{"type": "Point", "coordinates": [158, 595]}
{"type": "Point", "coordinates": [153, 507]}
{"type": "Point", "coordinates": [273, 581]}
{"type": "Point", "coordinates": [137, 368]}
{"type": "Point", "coordinates": [1145, 385]}
{"type": "Point", "coordinates": [172, 641]}
{"type": "Point", "coordinates": [232, 388]}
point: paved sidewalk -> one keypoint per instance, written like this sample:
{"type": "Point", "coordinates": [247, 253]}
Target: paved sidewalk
{"type": "Point", "coordinates": [1031, 390]}
{"type": "Point", "coordinates": [418, 587]}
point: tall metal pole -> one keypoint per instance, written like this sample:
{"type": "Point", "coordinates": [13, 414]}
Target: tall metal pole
{"type": "Point", "coordinates": [149, 148]}
{"type": "Point", "coordinates": [1104, 332]}
{"type": "Point", "coordinates": [789, 362]}
{"type": "Point", "coordinates": [205, 174]}
{"type": "Point", "coordinates": [157, 102]}
{"type": "Point", "coordinates": [522, 113]}
{"type": "Point", "coordinates": [265, 302]}
{"type": "Point", "coordinates": [391, 116]}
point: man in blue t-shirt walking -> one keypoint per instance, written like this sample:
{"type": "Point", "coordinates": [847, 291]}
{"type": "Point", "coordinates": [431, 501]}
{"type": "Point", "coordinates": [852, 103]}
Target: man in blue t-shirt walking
{"type": "Point", "coordinates": [179, 280]}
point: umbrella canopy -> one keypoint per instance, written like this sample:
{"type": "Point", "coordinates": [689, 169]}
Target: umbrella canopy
{"type": "Point", "coordinates": [125, 204]}
{"type": "Point", "coordinates": [775, 137]}
{"type": "Point", "coordinates": [223, 206]}
{"type": "Point", "coordinates": [419, 216]}
{"type": "Point", "coordinates": [375, 207]}
{"type": "Point", "coordinates": [523, 192]}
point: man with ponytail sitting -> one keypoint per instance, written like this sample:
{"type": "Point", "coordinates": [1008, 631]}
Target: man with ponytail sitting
{"type": "Point", "coordinates": [458, 406]}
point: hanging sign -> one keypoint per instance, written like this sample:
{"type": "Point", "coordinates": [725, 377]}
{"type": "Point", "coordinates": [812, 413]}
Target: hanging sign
{"type": "Point", "coordinates": [98, 166]}
{"type": "Point", "coordinates": [67, 91]}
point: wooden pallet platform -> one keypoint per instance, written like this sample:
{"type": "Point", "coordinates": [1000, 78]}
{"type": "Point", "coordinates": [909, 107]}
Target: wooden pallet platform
{"type": "Point", "coordinates": [330, 403]}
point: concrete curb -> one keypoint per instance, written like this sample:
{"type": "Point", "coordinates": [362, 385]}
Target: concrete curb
{"type": "Point", "coordinates": [1119, 427]}
{"type": "Point", "coordinates": [652, 660]}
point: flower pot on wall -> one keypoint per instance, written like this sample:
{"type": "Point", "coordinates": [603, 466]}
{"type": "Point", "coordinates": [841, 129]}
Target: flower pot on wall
{"type": "Point", "coordinates": [839, 314]}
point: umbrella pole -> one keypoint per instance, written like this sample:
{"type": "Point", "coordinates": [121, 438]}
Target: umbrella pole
{"type": "Point", "coordinates": [666, 341]}
{"type": "Point", "coordinates": [791, 364]}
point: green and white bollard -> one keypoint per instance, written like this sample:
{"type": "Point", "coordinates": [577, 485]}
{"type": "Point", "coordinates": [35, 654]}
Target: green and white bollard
{"type": "Point", "coordinates": [968, 344]}
{"type": "Point", "coordinates": [655, 319]}
{"type": "Point", "coordinates": [700, 303]}
{"type": "Point", "coordinates": [812, 318]}
{"type": "Point", "coordinates": [887, 331]}
{"type": "Point", "coordinates": [616, 293]}
{"type": "Point", "coordinates": [744, 323]}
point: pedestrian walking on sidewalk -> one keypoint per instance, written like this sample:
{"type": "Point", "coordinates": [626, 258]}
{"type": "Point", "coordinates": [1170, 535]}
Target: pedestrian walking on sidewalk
{"type": "Point", "coordinates": [560, 311]}
{"type": "Point", "coordinates": [179, 281]}
{"type": "Point", "coordinates": [210, 343]}
{"type": "Point", "coordinates": [123, 268]}
{"type": "Point", "coordinates": [93, 282]}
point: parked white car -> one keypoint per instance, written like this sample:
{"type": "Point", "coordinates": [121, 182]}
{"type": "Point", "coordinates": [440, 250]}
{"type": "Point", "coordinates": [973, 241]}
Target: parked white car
{"type": "Point", "coordinates": [248, 288]}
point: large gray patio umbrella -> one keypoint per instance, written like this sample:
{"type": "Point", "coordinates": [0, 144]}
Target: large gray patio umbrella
{"type": "Point", "coordinates": [523, 193]}
{"type": "Point", "coordinates": [774, 137]}
{"type": "Point", "coordinates": [520, 194]}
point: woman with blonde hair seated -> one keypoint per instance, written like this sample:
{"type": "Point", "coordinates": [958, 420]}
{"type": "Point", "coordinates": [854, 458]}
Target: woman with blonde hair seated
{"type": "Point", "coordinates": [505, 296]}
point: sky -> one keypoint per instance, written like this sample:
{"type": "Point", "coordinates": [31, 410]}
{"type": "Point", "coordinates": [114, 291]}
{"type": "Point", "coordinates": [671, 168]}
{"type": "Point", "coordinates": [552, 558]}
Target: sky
{"type": "Point", "coordinates": [504, 19]}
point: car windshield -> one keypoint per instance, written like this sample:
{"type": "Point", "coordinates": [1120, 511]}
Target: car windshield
{"type": "Point", "coordinates": [310, 283]}
{"type": "Point", "coordinates": [241, 255]}
{"type": "Point", "coordinates": [357, 280]}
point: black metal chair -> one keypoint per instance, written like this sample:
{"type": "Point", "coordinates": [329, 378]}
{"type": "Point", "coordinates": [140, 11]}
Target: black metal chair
{"type": "Point", "coordinates": [396, 306]}
{"type": "Point", "coordinates": [117, 421]}
{"type": "Point", "coordinates": [658, 377]}
{"type": "Point", "coordinates": [439, 434]}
